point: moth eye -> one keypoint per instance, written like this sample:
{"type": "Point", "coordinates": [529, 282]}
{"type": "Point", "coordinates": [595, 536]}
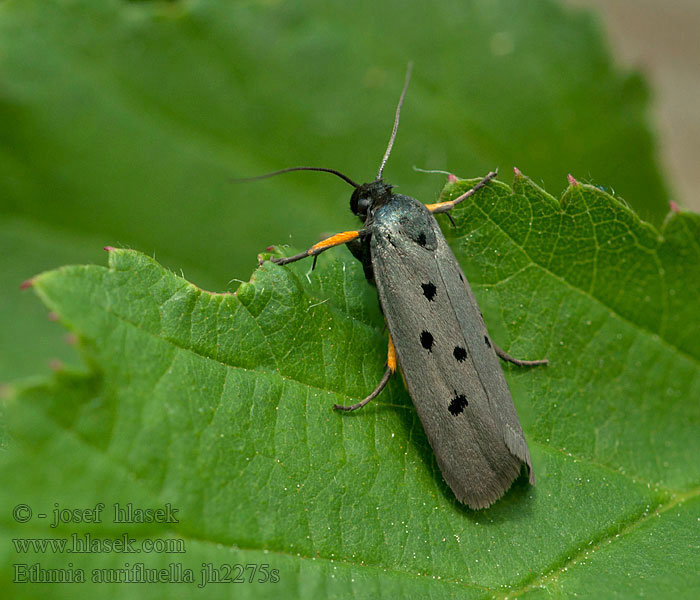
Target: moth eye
{"type": "Point", "coordinates": [429, 290]}
{"type": "Point", "coordinates": [486, 339]}
{"type": "Point", "coordinates": [460, 353]}
{"type": "Point", "coordinates": [458, 404]}
{"type": "Point", "coordinates": [422, 240]}
{"type": "Point", "coordinates": [363, 205]}
{"type": "Point", "coordinates": [427, 340]}
{"type": "Point", "coordinates": [360, 202]}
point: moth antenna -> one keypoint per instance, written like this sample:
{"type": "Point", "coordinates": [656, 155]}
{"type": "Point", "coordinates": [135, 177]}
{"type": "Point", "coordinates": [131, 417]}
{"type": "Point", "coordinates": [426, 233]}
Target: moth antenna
{"type": "Point", "coordinates": [396, 120]}
{"type": "Point", "coordinates": [324, 169]}
{"type": "Point", "coordinates": [415, 168]}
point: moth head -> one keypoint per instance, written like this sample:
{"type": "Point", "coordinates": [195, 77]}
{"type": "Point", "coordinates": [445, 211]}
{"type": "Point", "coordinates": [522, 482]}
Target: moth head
{"type": "Point", "coordinates": [368, 196]}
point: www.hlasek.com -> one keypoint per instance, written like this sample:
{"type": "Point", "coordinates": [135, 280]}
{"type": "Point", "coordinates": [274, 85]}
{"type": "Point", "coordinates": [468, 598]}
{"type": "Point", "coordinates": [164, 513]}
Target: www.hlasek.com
{"type": "Point", "coordinates": [86, 543]}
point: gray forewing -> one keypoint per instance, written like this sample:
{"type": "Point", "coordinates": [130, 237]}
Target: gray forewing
{"type": "Point", "coordinates": [452, 373]}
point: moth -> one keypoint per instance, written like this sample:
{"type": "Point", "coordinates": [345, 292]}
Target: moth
{"type": "Point", "coordinates": [437, 334]}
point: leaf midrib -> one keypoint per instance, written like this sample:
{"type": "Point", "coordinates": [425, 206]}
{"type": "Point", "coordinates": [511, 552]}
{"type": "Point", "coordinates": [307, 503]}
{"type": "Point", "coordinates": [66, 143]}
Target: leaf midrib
{"type": "Point", "coordinates": [538, 581]}
{"type": "Point", "coordinates": [542, 580]}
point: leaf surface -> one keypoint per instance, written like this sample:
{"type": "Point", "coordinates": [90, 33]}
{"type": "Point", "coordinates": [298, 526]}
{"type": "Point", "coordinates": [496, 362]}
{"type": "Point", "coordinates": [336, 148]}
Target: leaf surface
{"type": "Point", "coordinates": [220, 404]}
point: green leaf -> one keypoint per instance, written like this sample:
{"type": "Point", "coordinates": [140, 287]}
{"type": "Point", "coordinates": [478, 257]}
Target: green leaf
{"type": "Point", "coordinates": [122, 123]}
{"type": "Point", "coordinates": [220, 404]}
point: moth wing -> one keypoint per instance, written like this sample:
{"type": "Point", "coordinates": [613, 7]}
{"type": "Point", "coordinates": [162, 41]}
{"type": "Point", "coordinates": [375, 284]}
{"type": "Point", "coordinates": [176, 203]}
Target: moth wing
{"type": "Point", "coordinates": [453, 376]}
{"type": "Point", "coordinates": [485, 359]}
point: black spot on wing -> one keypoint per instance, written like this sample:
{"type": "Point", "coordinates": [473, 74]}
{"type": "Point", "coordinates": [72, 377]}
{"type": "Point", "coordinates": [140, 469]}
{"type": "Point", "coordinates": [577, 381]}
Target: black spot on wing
{"type": "Point", "coordinates": [460, 353]}
{"type": "Point", "coordinates": [427, 340]}
{"type": "Point", "coordinates": [422, 240]}
{"type": "Point", "coordinates": [458, 404]}
{"type": "Point", "coordinates": [429, 290]}
{"type": "Point", "coordinates": [486, 339]}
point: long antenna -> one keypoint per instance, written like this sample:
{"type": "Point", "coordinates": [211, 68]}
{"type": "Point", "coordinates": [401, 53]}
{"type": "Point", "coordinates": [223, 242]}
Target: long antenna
{"type": "Point", "coordinates": [324, 169]}
{"type": "Point", "coordinates": [396, 121]}
{"type": "Point", "coordinates": [415, 168]}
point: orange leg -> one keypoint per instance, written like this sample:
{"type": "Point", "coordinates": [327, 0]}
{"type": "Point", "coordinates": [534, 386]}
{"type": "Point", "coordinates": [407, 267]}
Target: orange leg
{"type": "Point", "coordinates": [316, 249]}
{"type": "Point", "coordinates": [442, 207]}
{"type": "Point", "coordinates": [390, 370]}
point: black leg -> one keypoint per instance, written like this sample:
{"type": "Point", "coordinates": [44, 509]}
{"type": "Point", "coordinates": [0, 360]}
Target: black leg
{"type": "Point", "coordinates": [516, 361]}
{"type": "Point", "coordinates": [372, 396]}
{"type": "Point", "coordinates": [442, 207]}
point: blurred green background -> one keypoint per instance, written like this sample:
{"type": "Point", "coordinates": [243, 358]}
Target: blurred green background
{"type": "Point", "coordinates": [124, 122]}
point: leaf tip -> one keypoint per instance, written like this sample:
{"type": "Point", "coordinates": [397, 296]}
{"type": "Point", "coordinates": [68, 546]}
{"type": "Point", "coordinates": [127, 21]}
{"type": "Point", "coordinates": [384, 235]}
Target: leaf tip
{"type": "Point", "coordinates": [452, 178]}
{"type": "Point", "coordinates": [518, 172]}
{"type": "Point", "coordinates": [27, 283]}
{"type": "Point", "coordinates": [109, 248]}
{"type": "Point", "coordinates": [270, 249]}
{"type": "Point", "coordinates": [571, 179]}
{"type": "Point", "coordinates": [674, 207]}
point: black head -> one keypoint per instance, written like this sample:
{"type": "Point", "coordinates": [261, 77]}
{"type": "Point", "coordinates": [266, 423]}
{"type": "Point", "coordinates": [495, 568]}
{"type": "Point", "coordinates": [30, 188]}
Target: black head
{"type": "Point", "coordinates": [369, 196]}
